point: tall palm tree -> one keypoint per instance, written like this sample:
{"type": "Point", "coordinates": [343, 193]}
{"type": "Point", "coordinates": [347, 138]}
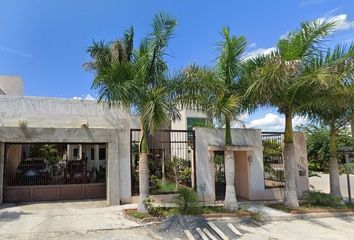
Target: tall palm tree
{"type": "Point", "coordinates": [271, 84]}
{"type": "Point", "coordinates": [215, 91]}
{"type": "Point", "coordinates": [138, 79]}
{"type": "Point", "coordinates": [333, 101]}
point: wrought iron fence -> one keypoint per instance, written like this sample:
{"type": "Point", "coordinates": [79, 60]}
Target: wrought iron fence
{"type": "Point", "coordinates": [273, 159]}
{"type": "Point", "coordinates": [170, 159]}
{"type": "Point", "coordinates": [54, 164]}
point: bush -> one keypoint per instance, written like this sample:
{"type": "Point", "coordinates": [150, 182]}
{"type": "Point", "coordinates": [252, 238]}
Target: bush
{"type": "Point", "coordinates": [187, 201]}
{"type": "Point", "coordinates": [153, 211]}
{"type": "Point", "coordinates": [322, 199]}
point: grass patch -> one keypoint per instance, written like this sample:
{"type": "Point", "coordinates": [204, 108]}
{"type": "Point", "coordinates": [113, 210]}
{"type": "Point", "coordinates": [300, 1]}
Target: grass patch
{"type": "Point", "coordinates": [205, 211]}
{"type": "Point", "coordinates": [138, 215]}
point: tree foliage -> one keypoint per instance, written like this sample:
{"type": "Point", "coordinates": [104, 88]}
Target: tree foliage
{"type": "Point", "coordinates": [318, 139]}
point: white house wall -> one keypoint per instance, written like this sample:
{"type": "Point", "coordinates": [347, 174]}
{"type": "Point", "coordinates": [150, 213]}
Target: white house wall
{"type": "Point", "coordinates": [244, 140]}
{"type": "Point", "coordinates": [206, 137]}
{"type": "Point", "coordinates": [46, 115]}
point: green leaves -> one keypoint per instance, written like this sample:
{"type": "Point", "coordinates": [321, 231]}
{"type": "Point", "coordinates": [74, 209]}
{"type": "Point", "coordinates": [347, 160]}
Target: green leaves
{"type": "Point", "coordinates": [306, 41]}
{"type": "Point", "coordinates": [231, 51]}
{"type": "Point", "coordinates": [137, 78]}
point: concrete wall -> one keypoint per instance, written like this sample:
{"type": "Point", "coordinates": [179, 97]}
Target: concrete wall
{"type": "Point", "coordinates": [301, 157]}
{"type": "Point", "coordinates": [62, 113]}
{"type": "Point", "coordinates": [2, 155]}
{"type": "Point", "coordinates": [248, 152]}
{"type": "Point", "coordinates": [62, 117]}
{"type": "Point", "coordinates": [244, 139]}
{"type": "Point", "coordinates": [11, 85]}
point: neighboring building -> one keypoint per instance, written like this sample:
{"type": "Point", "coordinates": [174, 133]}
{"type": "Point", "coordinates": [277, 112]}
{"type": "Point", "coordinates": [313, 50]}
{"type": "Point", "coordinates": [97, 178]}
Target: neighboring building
{"type": "Point", "coordinates": [61, 149]}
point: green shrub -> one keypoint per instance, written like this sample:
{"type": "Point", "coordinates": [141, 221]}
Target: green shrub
{"type": "Point", "coordinates": [322, 199]}
{"type": "Point", "coordinates": [187, 201]}
{"type": "Point", "coordinates": [153, 211]}
{"type": "Point", "coordinates": [257, 216]}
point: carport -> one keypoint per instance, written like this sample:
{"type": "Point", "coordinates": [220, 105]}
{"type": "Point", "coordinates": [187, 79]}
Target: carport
{"type": "Point", "coordinates": [43, 164]}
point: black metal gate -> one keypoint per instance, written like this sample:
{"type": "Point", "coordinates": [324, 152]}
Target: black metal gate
{"type": "Point", "coordinates": [273, 159]}
{"type": "Point", "coordinates": [171, 160]}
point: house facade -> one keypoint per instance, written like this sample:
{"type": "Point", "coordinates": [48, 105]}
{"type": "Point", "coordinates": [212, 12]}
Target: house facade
{"type": "Point", "coordinates": [63, 149]}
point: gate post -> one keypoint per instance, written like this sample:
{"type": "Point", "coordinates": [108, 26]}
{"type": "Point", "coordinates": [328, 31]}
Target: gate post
{"type": "Point", "coordinates": [2, 161]}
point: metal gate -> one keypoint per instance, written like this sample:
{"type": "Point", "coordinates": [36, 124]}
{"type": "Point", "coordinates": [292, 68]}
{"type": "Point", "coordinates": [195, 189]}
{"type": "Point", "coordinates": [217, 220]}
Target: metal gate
{"type": "Point", "coordinates": [171, 160]}
{"type": "Point", "coordinates": [273, 159]}
{"type": "Point", "coordinates": [47, 171]}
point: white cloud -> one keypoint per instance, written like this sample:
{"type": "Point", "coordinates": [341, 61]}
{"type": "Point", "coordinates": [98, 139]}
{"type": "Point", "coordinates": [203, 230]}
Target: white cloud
{"type": "Point", "coordinates": [259, 51]}
{"type": "Point", "coordinates": [304, 3]}
{"type": "Point", "coordinates": [342, 21]}
{"type": "Point", "coordinates": [273, 123]}
{"type": "Point", "coordinates": [252, 45]}
{"type": "Point", "coordinates": [87, 97]}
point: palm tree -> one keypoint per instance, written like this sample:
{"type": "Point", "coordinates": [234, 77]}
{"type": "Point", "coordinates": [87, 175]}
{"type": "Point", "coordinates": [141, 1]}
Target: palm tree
{"type": "Point", "coordinates": [271, 83]}
{"type": "Point", "coordinates": [138, 80]}
{"type": "Point", "coordinates": [333, 101]}
{"type": "Point", "coordinates": [216, 92]}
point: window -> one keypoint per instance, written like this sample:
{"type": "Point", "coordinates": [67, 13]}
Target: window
{"type": "Point", "coordinates": [197, 122]}
{"type": "Point", "coordinates": [92, 154]}
{"type": "Point", "coordinates": [76, 152]}
{"type": "Point", "coordinates": [102, 154]}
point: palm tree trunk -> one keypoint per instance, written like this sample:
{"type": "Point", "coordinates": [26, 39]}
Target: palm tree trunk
{"type": "Point", "coordinates": [352, 125]}
{"type": "Point", "coordinates": [230, 202]}
{"type": "Point", "coordinates": [290, 165]}
{"type": "Point", "coordinates": [333, 165]}
{"type": "Point", "coordinates": [143, 172]}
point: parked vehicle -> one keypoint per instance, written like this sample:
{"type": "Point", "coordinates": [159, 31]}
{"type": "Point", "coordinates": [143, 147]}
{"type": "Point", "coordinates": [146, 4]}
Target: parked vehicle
{"type": "Point", "coordinates": [76, 172]}
{"type": "Point", "coordinates": [33, 171]}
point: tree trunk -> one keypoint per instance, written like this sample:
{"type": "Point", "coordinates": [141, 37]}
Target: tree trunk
{"type": "Point", "coordinates": [230, 202]}
{"type": "Point", "coordinates": [290, 165]}
{"type": "Point", "coordinates": [333, 165]}
{"type": "Point", "coordinates": [143, 172]}
{"type": "Point", "coordinates": [176, 179]}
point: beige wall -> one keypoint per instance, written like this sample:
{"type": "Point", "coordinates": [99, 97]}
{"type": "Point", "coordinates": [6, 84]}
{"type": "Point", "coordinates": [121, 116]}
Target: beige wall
{"type": "Point", "coordinates": [242, 174]}
{"type": "Point", "coordinates": [13, 159]}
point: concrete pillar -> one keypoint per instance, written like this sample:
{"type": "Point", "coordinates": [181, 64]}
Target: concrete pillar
{"type": "Point", "coordinates": [97, 156]}
{"type": "Point", "coordinates": [112, 170]}
{"type": "Point", "coordinates": [2, 160]}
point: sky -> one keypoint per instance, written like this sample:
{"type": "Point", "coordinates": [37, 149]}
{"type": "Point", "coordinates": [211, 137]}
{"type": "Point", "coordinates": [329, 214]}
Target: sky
{"type": "Point", "coordinates": [45, 41]}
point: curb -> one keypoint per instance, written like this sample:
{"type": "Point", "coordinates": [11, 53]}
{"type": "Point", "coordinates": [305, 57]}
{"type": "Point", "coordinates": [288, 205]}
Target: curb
{"type": "Point", "coordinates": [309, 216]}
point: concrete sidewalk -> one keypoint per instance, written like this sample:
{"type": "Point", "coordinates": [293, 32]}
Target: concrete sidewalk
{"type": "Point", "coordinates": [61, 217]}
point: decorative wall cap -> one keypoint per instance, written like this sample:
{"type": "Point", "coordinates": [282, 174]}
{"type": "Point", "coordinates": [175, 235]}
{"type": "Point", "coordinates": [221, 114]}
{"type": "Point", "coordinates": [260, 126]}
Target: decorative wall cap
{"type": "Point", "coordinates": [22, 123]}
{"type": "Point", "coordinates": [84, 124]}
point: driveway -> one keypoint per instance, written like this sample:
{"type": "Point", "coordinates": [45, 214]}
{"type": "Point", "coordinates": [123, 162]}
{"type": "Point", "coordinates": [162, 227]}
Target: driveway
{"type": "Point", "coordinates": [321, 183]}
{"type": "Point", "coordinates": [67, 220]}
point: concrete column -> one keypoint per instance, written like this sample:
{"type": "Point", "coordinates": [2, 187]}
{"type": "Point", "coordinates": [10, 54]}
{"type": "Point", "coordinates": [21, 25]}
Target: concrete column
{"type": "Point", "coordinates": [212, 166]}
{"type": "Point", "coordinates": [112, 170]}
{"type": "Point", "coordinates": [97, 156]}
{"type": "Point", "coordinates": [2, 160]}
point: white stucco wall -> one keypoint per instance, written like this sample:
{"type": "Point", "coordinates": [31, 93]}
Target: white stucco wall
{"type": "Point", "coordinates": [62, 113]}
{"type": "Point", "coordinates": [244, 140]}
{"type": "Point", "coordinates": [57, 113]}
